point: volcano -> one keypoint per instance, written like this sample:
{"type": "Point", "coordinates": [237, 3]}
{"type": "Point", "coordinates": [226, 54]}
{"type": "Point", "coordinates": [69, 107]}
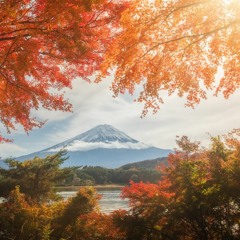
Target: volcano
{"type": "Point", "coordinates": [103, 146]}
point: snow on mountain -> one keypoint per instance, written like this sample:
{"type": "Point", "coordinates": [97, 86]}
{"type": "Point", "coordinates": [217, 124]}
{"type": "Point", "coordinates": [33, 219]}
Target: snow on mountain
{"type": "Point", "coordinates": [101, 136]}
{"type": "Point", "coordinates": [104, 133]}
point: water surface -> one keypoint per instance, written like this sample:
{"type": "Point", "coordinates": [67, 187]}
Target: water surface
{"type": "Point", "coordinates": [110, 199]}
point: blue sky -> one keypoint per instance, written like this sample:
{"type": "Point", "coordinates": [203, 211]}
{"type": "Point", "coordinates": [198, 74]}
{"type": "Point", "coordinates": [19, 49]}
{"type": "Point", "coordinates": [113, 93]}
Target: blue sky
{"type": "Point", "coordinates": [93, 104]}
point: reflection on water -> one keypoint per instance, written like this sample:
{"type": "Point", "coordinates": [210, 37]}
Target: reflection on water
{"type": "Point", "coordinates": [110, 199]}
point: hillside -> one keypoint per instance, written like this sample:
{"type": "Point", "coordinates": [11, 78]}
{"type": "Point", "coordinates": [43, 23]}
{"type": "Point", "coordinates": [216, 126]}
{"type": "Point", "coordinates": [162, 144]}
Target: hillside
{"type": "Point", "coordinates": [146, 164]}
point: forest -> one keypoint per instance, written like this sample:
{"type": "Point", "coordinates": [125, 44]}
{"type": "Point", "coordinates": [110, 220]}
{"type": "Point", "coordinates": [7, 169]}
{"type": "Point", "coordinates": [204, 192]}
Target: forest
{"type": "Point", "coordinates": [196, 197]}
{"type": "Point", "coordinates": [151, 50]}
{"type": "Point", "coordinates": [14, 171]}
{"type": "Point", "coordinates": [89, 175]}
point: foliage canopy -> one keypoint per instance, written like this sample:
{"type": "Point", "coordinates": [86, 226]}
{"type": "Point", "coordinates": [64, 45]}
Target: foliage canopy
{"type": "Point", "coordinates": [44, 45]}
{"type": "Point", "coordinates": [197, 197]}
{"type": "Point", "coordinates": [177, 46]}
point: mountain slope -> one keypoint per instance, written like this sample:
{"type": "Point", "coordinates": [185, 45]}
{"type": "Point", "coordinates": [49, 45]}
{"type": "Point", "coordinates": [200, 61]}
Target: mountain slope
{"type": "Point", "coordinates": [103, 146]}
{"type": "Point", "coordinates": [145, 164]}
{"type": "Point", "coordinates": [101, 136]}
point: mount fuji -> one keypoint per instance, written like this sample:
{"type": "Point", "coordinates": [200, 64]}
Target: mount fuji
{"type": "Point", "coordinates": [103, 146]}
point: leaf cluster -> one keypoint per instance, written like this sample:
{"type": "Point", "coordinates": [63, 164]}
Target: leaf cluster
{"type": "Point", "coordinates": [46, 44]}
{"type": "Point", "coordinates": [176, 47]}
{"type": "Point", "coordinates": [196, 198]}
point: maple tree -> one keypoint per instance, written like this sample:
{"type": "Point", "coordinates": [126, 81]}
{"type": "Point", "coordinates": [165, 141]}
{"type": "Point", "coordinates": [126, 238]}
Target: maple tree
{"type": "Point", "coordinates": [44, 45]}
{"type": "Point", "coordinates": [176, 47]}
{"type": "Point", "coordinates": [97, 226]}
{"type": "Point", "coordinates": [196, 198]}
{"type": "Point", "coordinates": [75, 218]}
{"type": "Point", "coordinates": [22, 219]}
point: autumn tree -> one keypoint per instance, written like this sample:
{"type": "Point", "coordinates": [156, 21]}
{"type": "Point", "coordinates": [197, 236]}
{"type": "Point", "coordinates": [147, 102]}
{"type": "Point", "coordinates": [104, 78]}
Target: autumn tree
{"type": "Point", "coordinates": [83, 203]}
{"type": "Point", "coordinates": [44, 45]}
{"type": "Point", "coordinates": [35, 177]}
{"type": "Point", "coordinates": [177, 47]}
{"type": "Point", "coordinates": [21, 219]}
{"type": "Point", "coordinates": [98, 226]}
{"type": "Point", "coordinates": [196, 198]}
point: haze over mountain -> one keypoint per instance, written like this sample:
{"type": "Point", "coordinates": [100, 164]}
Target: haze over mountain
{"type": "Point", "coordinates": [103, 146]}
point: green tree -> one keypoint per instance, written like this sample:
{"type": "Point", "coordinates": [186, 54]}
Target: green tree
{"type": "Point", "coordinates": [35, 177]}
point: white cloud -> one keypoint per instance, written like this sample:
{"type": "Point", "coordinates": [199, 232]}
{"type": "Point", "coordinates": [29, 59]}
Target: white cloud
{"type": "Point", "coordinates": [93, 105]}
{"type": "Point", "coordinates": [216, 116]}
{"type": "Point", "coordinates": [86, 146]}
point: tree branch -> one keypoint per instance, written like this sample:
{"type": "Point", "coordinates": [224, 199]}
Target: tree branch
{"type": "Point", "coordinates": [202, 35]}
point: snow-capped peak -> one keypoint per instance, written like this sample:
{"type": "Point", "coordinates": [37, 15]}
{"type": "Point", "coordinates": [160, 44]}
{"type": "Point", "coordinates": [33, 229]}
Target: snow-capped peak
{"type": "Point", "coordinates": [101, 136]}
{"type": "Point", "coordinates": [104, 133]}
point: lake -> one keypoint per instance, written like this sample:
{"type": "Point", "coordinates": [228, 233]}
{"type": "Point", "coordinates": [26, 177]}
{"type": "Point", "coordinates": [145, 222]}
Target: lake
{"type": "Point", "coordinates": [110, 199]}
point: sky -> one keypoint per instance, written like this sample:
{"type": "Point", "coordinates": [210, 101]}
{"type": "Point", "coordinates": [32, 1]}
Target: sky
{"type": "Point", "coordinates": [93, 104]}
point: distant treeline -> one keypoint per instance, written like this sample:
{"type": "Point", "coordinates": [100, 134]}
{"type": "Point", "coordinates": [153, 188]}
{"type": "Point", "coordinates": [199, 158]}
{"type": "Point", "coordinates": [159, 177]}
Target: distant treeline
{"type": "Point", "coordinates": [146, 164]}
{"type": "Point", "coordinates": [88, 175]}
